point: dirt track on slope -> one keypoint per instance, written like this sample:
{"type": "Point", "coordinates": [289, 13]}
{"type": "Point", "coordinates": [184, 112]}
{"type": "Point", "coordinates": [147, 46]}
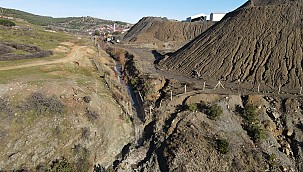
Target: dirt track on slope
{"type": "Point", "coordinates": [74, 55]}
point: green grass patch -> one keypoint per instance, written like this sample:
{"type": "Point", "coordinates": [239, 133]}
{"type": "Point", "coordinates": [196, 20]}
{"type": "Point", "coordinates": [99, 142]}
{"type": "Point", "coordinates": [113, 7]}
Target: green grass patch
{"type": "Point", "coordinates": [34, 36]}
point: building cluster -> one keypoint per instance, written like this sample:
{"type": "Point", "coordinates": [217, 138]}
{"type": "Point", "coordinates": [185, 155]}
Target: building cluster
{"type": "Point", "coordinates": [205, 17]}
{"type": "Point", "coordinates": [6, 17]}
{"type": "Point", "coordinates": [112, 29]}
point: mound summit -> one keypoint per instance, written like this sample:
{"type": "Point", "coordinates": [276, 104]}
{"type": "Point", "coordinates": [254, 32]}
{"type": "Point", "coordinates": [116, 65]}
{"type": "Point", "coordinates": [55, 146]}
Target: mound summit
{"type": "Point", "coordinates": [260, 42]}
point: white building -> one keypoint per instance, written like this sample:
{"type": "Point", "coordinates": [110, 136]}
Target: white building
{"type": "Point", "coordinates": [204, 17]}
{"type": "Point", "coordinates": [198, 17]}
{"type": "Point", "coordinates": [216, 16]}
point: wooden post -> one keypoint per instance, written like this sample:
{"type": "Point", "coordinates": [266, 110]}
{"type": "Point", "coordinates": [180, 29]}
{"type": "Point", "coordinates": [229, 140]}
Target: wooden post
{"type": "Point", "coordinates": [279, 89]}
{"type": "Point", "coordinates": [96, 86]}
{"type": "Point", "coordinates": [141, 96]}
{"type": "Point", "coordinates": [204, 84]}
{"type": "Point", "coordinates": [259, 88]}
{"type": "Point", "coordinates": [219, 85]}
{"type": "Point", "coordinates": [301, 91]}
{"type": "Point", "coordinates": [171, 95]}
{"type": "Point", "coordinates": [150, 109]}
{"type": "Point", "coordinates": [160, 103]}
{"type": "Point", "coordinates": [185, 88]}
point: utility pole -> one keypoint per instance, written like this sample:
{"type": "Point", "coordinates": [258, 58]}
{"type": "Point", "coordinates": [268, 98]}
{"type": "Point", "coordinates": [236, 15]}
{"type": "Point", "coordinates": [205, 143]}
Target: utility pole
{"type": "Point", "coordinates": [171, 95]}
{"type": "Point", "coordinates": [279, 89]}
{"type": "Point", "coordinates": [301, 91]}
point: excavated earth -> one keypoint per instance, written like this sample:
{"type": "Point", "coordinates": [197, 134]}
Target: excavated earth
{"type": "Point", "coordinates": [259, 43]}
{"type": "Point", "coordinates": [161, 33]}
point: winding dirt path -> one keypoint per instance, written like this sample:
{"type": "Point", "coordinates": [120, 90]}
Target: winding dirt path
{"type": "Point", "coordinates": [74, 54]}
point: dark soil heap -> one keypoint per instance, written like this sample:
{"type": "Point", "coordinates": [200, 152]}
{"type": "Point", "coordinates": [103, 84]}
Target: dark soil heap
{"type": "Point", "coordinates": [158, 31]}
{"type": "Point", "coordinates": [260, 42]}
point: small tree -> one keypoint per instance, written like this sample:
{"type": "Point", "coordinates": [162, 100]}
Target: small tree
{"type": "Point", "coordinates": [214, 112]}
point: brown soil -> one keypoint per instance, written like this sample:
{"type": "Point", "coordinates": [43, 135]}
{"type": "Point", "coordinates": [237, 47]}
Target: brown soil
{"type": "Point", "coordinates": [261, 42]}
{"type": "Point", "coordinates": [160, 33]}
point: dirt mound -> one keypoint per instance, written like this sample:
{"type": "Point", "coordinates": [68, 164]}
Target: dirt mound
{"type": "Point", "coordinates": [163, 33]}
{"type": "Point", "coordinates": [261, 42]}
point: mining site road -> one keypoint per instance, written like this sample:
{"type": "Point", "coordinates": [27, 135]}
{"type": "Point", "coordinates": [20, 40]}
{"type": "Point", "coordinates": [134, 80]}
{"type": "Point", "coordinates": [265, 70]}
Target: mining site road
{"type": "Point", "coordinates": [74, 54]}
{"type": "Point", "coordinates": [145, 59]}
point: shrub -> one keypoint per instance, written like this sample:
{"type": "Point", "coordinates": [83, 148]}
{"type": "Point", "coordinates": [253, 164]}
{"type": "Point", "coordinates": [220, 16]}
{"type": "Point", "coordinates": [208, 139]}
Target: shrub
{"type": "Point", "coordinates": [85, 133]}
{"type": "Point", "coordinates": [249, 113]}
{"type": "Point", "coordinates": [256, 132]}
{"type": "Point", "coordinates": [41, 104]}
{"type": "Point", "coordinates": [62, 166]}
{"type": "Point", "coordinates": [214, 112]}
{"type": "Point", "coordinates": [252, 126]}
{"type": "Point", "coordinates": [5, 107]}
{"type": "Point", "coordinates": [222, 146]}
{"type": "Point", "coordinates": [182, 107]}
{"type": "Point", "coordinates": [92, 116]}
{"type": "Point", "coordinates": [193, 107]}
{"type": "Point", "coordinates": [87, 99]}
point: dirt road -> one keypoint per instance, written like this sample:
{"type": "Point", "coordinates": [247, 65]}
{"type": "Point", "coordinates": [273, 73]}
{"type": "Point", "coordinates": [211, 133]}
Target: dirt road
{"type": "Point", "coordinates": [74, 55]}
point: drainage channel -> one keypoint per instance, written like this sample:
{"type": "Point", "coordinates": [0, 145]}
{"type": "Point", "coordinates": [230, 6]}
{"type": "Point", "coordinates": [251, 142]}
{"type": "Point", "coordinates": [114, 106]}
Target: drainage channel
{"type": "Point", "coordinates": [136, 103]}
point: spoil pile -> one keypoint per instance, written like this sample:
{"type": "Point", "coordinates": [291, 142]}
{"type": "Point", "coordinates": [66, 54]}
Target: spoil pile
{"type": "Point", "coordinates": [260, 42]}
{"type": "Point", "coordinates": [163, 33]}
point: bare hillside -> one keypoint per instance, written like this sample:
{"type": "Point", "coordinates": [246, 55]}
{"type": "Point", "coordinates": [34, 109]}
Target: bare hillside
{"type": "Point", "coordinates": [261, 42]}
{"type": "Point", "coordinates": [163, 33]}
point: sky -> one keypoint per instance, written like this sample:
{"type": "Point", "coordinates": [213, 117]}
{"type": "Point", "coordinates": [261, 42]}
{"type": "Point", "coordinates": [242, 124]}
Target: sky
{"type": "Point", "coordinates": [122, 10]}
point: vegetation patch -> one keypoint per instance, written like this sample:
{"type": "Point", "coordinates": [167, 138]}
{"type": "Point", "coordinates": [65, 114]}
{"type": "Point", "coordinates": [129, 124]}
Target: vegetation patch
{"type": "Point", "coordinates": [41, 105]}
{"type": "Point", "coordinates": [8, 23]}
{"type": "Point", "coordinates": [214, 112]}
{"type": "Point", "coordinates": [91, 115]}
{"type": "Point", "coordinates": [5, 107]}
{"type": "Point", "coordinates": [193, 107]}
{"type": "Point", "coordinates": [62, 166]}
{"type": "Point", "coordinates": [252, 123]}
{"type": "Point", "coordinates": [22, 52]}
{"type": "Point", "coordinates": [222, 146]}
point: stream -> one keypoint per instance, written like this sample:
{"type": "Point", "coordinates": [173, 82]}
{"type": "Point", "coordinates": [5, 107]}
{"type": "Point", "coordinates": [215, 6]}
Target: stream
{"type": "Point", "coordinates": [139, 115]}
{"type": "Point", "coordinates": [135, 99]}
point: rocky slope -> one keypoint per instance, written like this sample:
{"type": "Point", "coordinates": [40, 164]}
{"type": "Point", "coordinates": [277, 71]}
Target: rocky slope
{"type": "Point", "coordinates": [261, 42]}
{"type": "Point", "coordinates": [57, 113]}
{"type": "Point", "coordinates": [162, 33]}
{"type": "Point", "coordinates": [179, 138]}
